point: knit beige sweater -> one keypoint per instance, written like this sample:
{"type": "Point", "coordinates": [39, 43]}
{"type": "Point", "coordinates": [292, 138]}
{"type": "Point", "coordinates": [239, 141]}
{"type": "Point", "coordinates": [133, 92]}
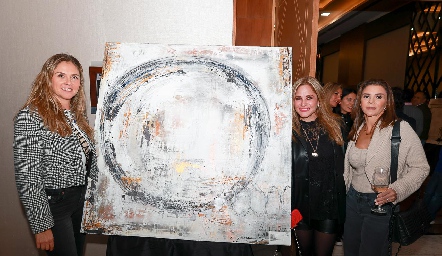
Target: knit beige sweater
{"type": "Point", "coordinates": [413, 167]}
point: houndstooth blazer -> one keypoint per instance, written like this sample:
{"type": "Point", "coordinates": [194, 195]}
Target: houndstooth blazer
{"type": "Point", "coordinates": [45, 160]}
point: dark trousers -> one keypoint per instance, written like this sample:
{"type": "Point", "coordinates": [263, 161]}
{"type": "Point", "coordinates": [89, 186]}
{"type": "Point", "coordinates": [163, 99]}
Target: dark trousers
{"type": "Point", "coordinates": [365, 234]}
{"type": "Point", "coordinates": [67, 209]}
{"type": "Point", "coordinates": [433, 194]}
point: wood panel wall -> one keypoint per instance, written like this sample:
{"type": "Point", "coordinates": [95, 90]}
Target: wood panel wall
{"type": "Point", "coordinates": [253, 22]}
{"type": "Point", "coordinates": [282, 23]}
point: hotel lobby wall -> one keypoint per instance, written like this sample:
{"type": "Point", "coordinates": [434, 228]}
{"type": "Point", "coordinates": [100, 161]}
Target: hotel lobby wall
{"type": "Point", "coordinates": [386, 57]}
{"type": "Point", "coordinates": [331, 68]}
{"type": "Point", "coordinates": [351, 58]}
{"type": "Point", "coordinates": [377, 49]}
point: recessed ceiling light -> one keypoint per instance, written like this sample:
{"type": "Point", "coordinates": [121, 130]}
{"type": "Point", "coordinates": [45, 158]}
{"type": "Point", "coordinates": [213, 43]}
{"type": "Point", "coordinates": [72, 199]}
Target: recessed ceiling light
{"type": "Point", "coordinates": [325, 14]}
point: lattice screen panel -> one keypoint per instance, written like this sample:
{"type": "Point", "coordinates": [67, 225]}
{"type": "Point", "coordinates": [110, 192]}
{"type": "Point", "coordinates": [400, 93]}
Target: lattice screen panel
{"type": "Point", "coordinates": [422, 73]}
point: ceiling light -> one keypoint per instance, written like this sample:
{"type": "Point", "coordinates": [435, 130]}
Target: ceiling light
{"type": "Point", "coordinates": [325, 14]}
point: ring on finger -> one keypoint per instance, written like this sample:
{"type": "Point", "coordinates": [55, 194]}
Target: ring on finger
{"type": "Point", "coordinates": [388, 199]}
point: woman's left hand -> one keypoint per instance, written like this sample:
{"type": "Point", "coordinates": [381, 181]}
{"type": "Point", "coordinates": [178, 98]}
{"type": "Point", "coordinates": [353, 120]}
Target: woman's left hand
{"type": "Point", "coordinates": [388, 196]}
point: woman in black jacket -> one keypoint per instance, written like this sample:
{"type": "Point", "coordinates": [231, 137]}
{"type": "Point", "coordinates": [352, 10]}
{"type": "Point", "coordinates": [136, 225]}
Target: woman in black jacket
{"type": "Point", "coordinates": [318, 190]}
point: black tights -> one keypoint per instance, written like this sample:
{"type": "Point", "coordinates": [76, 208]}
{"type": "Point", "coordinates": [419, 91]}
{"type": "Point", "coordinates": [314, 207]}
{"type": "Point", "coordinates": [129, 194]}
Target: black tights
{"type": "Point", "coordinates": [316, 243]}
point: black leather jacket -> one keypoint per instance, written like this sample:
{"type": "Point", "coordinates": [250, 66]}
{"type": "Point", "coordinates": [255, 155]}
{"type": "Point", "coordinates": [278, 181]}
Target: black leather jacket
{"type": "Point", "coordinates": [300, 178]}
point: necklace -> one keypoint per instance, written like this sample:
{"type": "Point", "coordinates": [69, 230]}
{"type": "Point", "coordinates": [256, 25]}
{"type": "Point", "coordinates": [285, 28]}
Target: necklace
{"type": "Point", "coordinates": [371, 130]}
{"type": "Point", "coordinates": [315, 135]}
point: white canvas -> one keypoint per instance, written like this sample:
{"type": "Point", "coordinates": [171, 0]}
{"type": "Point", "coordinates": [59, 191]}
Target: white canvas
{"type": "Point", "coordinates": [193, 143]}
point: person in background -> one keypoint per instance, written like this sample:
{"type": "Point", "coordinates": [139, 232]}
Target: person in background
{"type": "Point", "coordinates": [412, 111]}
{"type": "Point", "coordinates": [420, 100]}
{"type": "Point", "coordinates": [370, 147]}
{"type": "Point", "coordinates": [344, 109]}
{"type": "Point", "coordinates": [53, 153]}
{"type": "Point", "coordinates": [399, 107]}
{"type": "Point", "coordinates": [433, 189]}
{"type": "Point", "coordinates": [333, 92]}
{"type": "Point", "coordinates": [318, 190]}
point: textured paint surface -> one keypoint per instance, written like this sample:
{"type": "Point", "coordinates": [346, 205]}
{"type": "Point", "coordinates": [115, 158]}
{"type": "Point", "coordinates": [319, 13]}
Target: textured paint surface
{"type": "Point", "coordinates": [193, 143]}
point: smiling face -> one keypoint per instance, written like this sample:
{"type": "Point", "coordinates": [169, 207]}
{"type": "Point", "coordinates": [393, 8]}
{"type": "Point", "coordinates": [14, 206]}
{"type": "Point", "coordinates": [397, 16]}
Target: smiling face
{"type": "Point", "coordinates": [65, 82]}
{"type": "Point", "coordinates": [306, 103]}
{"type": "Point", "coordinates": [347, 103]}
{"type": "Point", "coordinates": [336, 98]}
{"type": "Point", "coordinates": [373, 101]}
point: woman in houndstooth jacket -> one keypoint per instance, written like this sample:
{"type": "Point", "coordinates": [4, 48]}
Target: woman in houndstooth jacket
{"type": "Point", "coordinates": [53, 154]}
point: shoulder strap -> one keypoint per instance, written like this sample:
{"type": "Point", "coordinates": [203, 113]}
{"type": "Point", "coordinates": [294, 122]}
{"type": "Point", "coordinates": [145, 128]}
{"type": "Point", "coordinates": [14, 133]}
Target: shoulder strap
{"type": "Point", "coordinates": [395, 141]}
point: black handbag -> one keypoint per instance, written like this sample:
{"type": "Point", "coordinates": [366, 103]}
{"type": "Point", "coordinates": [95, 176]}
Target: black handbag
{"type": "Point", "coordinates": [406, 226]}
{"type": "Point", "coordinates": [411, 224]}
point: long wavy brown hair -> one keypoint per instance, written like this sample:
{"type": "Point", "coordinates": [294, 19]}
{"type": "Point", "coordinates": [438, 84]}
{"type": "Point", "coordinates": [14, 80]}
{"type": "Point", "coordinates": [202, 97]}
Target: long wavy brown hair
{"type": "Point", "coordinates": [387, 118]}
{"type": "Point", "coordinates": [325, 117]}
{"type": "Point", "coordinates": [43, 101]}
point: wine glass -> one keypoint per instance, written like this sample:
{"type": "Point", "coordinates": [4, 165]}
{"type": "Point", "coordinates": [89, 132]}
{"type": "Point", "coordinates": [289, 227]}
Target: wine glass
{"type": "Point", "coordinates": [381, 180]}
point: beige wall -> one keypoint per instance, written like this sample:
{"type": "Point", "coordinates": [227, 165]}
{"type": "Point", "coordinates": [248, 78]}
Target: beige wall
{"type": "Point", "coordinates": [386, 57]}
{"type": "Point", "coordinates": [32, 31]}
{"type": "Point", "coordinates": [331, 72]}
{"type": "Point", "coordinates": [382, 57]}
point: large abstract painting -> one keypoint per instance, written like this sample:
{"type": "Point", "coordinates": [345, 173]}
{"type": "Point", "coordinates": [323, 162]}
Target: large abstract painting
{"type": "Point", "coordinates": [193, 143]}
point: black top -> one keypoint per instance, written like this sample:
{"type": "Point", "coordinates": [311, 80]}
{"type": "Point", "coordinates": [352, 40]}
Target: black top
{"type": "Point", "coordinates": [314, 195]}
{"type": "Point", "coordinates": [426, 112]}
{"type": "Point", "coordinates": [323, 202]}
{"type": "Point", "coordinates": [410, 120]}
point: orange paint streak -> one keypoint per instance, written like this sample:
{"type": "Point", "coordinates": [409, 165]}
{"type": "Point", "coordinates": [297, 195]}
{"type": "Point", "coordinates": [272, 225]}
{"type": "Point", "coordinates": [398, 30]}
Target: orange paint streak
{"type": "Point", "coordinates": [226, 180]}
{"type": "Point", "coordinates": [279, 121]}
{"type": "Point", "coordinates": [125, 124]}
{"type": "Point", "coordinates": [106, 212]}
{"type": "Point", "coordinates": [110, 56]}
{"type": "Point", "coordinates": [87, 221]}
{"type": "Point", "coordinates": [223, 217]}
{"type": "Point", "coordinates": [157, 127]}
{"type": "Point", "coordinates": [130, 180]}
{"type": "Point", "coordinates": [239, 122]}
{"type": "Point", "coordinates": [131, 214]}
{"type": "Point", "coordinates": [92, 226]}
{"type": "Point", "coordinates": [199, 52]}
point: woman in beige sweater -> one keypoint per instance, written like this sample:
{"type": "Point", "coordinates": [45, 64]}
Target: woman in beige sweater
{"type": "Point", "coordinates": [369, 147]}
